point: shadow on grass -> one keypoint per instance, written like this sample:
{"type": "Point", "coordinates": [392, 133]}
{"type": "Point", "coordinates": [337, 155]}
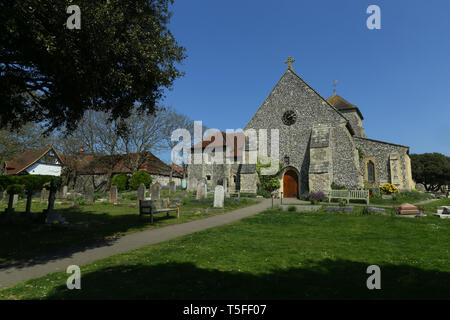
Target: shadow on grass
{"type": "Point", "coordinates": [31, 244]}
{"type": "Point", "coordinates": [327, 279]}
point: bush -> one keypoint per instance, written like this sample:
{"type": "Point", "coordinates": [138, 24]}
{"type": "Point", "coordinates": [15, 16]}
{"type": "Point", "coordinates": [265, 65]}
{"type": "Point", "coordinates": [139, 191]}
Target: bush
{"type": "Point", "coordinates": [263, 193]}
{"type": "Point", "coordinates": [140, 177]}
{"type": "Point", "coordinates": [335, 186]}
{"type": "Point", "coordinates": [388, 188]}
{"type": "Point", "coordinates": [120, 181]}
{"type": "Point", "coordinates": [315, 197]}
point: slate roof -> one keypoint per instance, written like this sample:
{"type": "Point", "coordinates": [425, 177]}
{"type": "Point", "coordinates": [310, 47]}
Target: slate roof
{"type": "Point", "coordinates": [27, 158]}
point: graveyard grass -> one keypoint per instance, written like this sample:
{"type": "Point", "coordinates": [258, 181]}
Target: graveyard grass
{"type": "Point", "coordinates": [91, 224]}
{"type": "Point", "coordinates": [273, 255]}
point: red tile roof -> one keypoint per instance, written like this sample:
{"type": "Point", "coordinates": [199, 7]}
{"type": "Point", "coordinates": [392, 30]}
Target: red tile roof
{"type": "Point", "coordinates": [237, 138]}
{"type": "Point", "coordinates": [27, 158]}
{"type": "Point", "coordinates": [97, 164]}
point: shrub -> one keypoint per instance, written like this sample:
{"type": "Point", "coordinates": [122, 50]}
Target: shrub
{"type": "Point", "coordinates": [292, 208]}
{"type": "Point", "coordinates": [120, 181]}
{"type": "Point", "coordinates": [335, 186]}
{"type": "Point", "coordinates": [263, 193]}
{"type": "Point", "coordinates": [140, 177]}
{"type": "Point", "coordinates": [315, 197]}
{"type": "Point", "coordinates": [388, 188]}
{"type": "Point", "coordinates": [342, 202]}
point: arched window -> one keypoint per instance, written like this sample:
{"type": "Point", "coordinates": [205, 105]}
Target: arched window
{"type": "Point", "coordinates": [370, 171]}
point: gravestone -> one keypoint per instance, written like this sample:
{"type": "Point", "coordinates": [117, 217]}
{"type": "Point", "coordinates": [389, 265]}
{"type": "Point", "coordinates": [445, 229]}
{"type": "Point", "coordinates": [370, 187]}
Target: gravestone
{"type": "Point", "coordinates": [408, 209]}
{"type": "Point", "coordinates": [44, 195]}
{"type": "Point", "coordinates": [172, 187]}
{"type": "Point", "coordinates": [5, 196]}
{"type": "Point", "coordinates": [201, 191]}
{"type": "Point", "coordinates": [141, 192]}
{"type": "Point", "coordinates": [183, 184]}
{"type": "Point", "coordinates": [156, 191]}
{"type": "Point", "coordinates": [192, 186]}
{"type": "Point", "coordinates": [218, 197]}
{"type": "Point", "coordinates": [225, 187]}
{"type": "Point", "coordinates": [387, 197]}
{"type": "Point", "coordinates": [90, 194]}
{"type": "Point", "coordinates": [15, 199]}
{"type": "Point", "coordinates": [64, 192]}
{"type": "Point", "coordinates": [113, 194]}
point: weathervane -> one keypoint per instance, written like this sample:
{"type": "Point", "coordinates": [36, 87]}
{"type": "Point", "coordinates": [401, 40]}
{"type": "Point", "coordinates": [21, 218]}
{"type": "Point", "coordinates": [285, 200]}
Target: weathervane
{"type": "Point", "coordinates": [335, 82]}
{"type": "Point", "coordinates": [289, 62]}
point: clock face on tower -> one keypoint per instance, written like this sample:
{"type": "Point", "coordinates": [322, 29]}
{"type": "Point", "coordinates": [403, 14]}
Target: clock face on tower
{"type": "Point", "coordinates": [289, 117]}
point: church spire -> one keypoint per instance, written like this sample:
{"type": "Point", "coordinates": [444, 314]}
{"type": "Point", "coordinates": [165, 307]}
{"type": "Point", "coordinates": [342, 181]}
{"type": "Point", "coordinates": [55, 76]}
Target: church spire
{"type": "Point", "coordinates": [289, 62]}
{"type": "Point", "coordinates": [335, 82]}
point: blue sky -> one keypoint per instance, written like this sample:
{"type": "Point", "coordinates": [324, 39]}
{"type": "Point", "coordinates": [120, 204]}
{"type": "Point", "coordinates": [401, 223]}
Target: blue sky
{"type": "Point", "coordinates": [398, 76]}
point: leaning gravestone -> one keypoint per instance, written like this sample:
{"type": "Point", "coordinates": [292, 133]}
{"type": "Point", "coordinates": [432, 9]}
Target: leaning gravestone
{"type": "Point", "coordinates": [141, 192]}
{"type": "Point", "coordinates": [172, 187]}
{"type": "Point", "coordinates": [90, 194]}
{"type": "Point", "coordinates": [113, 194]}
{"type": "Point", "coordinates": [218, 197]}
{"type": "Point", "coordinates": [64, 192]}
{"type": "Point", "coordinates": [156, 191]}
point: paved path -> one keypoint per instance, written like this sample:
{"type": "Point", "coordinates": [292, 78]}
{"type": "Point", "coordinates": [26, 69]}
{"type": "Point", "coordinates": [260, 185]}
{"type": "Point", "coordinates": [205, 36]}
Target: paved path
{"type": "Point", "coordinates": [35, 268]}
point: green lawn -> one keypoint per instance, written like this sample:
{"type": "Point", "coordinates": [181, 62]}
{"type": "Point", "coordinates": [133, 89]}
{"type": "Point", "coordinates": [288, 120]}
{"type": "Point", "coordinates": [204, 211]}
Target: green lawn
{"type": "Point", "coordinates": [273, 255]}
{"type": "Point", "coordinates": [91, 223]}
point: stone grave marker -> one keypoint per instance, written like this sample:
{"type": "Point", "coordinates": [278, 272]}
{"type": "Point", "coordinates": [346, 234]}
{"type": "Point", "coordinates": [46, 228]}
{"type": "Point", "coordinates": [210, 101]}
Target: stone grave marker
{"type": "Point", "coordinates": [156, 191]}
{"type": "Point", "coordinates": [172, 187]}
{"type": "Point", "coordinates": [201, 191]}
{"type": "Point", "coordinates": [44, 195]}
{"type": "Point", "coordinates": [90, 194]}
{"type": "Point", "coordinates": [192, 185]}
{"type": "Point", "coordinates": [15, 199]}
{"type": "Point", "coordinates": [113, 194]}
{"type": "Point", "coordinates": [218, 197]}
{"type": "Point", "coordinates": [408, 209]}
{"type": "Point", "coordinates": [141, 192]}
{"type": "Point", "coordinates": [64, 192]}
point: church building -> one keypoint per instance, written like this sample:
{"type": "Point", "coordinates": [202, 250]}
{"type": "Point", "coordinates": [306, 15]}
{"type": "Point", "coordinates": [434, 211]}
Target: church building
{"type": "Point", "coordinates": [322, 141]}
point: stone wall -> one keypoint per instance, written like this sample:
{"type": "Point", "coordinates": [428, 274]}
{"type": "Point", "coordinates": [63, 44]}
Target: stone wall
{"type": "Point", "coordinates": [392, 163]}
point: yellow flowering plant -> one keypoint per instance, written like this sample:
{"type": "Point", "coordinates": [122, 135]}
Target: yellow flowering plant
{"type": "Point", "coordinates": [388, 188]}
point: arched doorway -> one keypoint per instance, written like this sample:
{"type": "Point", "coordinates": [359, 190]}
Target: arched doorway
{"type": "Point", "coordinates": [290, 184]}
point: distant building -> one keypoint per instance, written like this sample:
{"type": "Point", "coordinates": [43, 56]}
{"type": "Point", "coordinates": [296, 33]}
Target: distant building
{"type": "Point", "coordinates": [45, 161]}
{"type": "Point", "coordinates": [92, 170]}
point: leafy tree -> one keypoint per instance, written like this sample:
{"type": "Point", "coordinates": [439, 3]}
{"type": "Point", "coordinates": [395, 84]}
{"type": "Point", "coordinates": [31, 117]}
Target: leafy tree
{"type": "Point", "coordinates": [431, 169]}
{"type": "Point", "coordinates": [140, 177]}
{"type": "Point", "coordinates": [120, 181]}
{"type": "Point", "coordinates": [124, 53]}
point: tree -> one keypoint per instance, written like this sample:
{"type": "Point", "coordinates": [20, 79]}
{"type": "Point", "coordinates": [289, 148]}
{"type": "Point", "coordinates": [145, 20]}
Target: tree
{"type": "Point", "coordinates": [142, 133]}
{"type": "Point", "coordinates": [173, 121]}
{"type": "Point", "coordinates": [124, 53]}
{"type": "Point", "coordinates": [15, 141]}
{"type": "Point", "coordinates": [431, 169]}
{"type": "Point", "coordinates": [140, 177]}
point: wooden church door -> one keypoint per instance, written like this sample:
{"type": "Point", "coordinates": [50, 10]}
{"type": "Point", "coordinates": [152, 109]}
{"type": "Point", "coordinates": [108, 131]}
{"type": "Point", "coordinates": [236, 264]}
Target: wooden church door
{"type": "Point", "coordinates": [290, 184]}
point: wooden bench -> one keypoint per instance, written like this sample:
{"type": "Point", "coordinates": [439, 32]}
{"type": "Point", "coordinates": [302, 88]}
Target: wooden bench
{"type": "Point", "coordinates": [348, 195]}
{"type": "Point", "coordinates": [152, 207]}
